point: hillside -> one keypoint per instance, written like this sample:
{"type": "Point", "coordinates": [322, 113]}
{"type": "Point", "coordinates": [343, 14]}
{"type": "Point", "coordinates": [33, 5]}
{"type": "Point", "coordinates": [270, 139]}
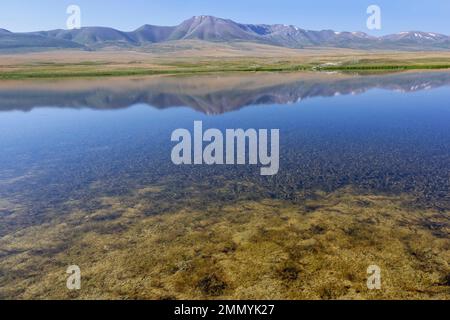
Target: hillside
{"type": "Point", "coordinates": [218, 30]}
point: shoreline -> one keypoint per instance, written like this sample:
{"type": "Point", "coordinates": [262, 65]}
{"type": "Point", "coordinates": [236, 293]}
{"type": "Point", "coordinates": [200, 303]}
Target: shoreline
{"type": "Point", "coordinates": [85, 73]}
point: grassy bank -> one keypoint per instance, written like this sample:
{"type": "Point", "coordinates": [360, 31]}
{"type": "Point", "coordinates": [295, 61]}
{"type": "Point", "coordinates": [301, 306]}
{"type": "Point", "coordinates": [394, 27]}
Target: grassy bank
{"type": "Point", "coordinates": [384, 67]}
{"type": "Point", "coordinates": [106, 69]}
{"type": "Point", "coordinates": [48, 74]}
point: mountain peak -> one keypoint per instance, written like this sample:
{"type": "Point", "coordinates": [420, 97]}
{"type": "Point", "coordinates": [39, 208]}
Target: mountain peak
{"type": "Point", "coordinates": [418, 36]}
{"type": "Point", "coordinates": [210, 28]}
{"type": "Point", "coordinates": [205, 17]}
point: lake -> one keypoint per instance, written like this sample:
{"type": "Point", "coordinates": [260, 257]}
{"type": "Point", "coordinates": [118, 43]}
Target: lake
{"type": "Point", "coordinates": [86, 179]}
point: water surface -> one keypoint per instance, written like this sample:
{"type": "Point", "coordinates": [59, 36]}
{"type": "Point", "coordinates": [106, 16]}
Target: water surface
{"type": "Point", "coordinates": [93, 157]}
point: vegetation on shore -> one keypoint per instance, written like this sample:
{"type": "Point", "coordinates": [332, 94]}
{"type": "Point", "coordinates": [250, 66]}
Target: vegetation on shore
{"type": "Point", "coordinates": [105, 69]}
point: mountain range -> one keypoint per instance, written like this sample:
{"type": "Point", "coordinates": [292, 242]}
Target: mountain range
{"type": "Point", "coordinates": [213, 29]}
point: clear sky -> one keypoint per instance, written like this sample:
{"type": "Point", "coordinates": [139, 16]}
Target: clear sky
{"type": "Point", "coordinates": [339, 15]}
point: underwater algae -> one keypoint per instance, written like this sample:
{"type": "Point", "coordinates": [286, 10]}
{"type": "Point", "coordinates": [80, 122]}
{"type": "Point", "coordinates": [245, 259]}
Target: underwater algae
{"type": "Point", "coordinates": [267, 249]}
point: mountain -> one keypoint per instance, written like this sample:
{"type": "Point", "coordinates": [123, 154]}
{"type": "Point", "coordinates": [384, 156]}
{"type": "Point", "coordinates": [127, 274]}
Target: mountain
{"type": "Point", "coordinates": [213, 29]}
{"type": "Point", "coordinates": [417, 38]}
{"type": "Point", "coordinates": [151, 34]}
{"type": "Point", "coordinates": [92, 37]}
{"type": "Point", "coordinates": [25, 41]}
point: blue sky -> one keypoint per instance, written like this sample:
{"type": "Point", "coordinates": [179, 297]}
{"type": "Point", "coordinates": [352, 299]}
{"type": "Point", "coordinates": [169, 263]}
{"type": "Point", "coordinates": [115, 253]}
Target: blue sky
{"type": "Point", "coordinates": [340, 15]}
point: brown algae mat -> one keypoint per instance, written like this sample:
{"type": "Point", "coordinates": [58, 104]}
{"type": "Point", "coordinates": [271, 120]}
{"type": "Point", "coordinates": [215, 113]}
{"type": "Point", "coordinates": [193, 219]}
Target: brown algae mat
{"type": "Point", "coordinates": [270, 249]}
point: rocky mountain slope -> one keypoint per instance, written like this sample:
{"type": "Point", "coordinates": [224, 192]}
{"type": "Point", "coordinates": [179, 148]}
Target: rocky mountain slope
{"type": "Point", "coordinates": [213, 29]}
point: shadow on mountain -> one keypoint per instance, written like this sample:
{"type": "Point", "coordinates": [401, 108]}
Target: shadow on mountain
{"type": "Point", "coordinates": [209, 94]}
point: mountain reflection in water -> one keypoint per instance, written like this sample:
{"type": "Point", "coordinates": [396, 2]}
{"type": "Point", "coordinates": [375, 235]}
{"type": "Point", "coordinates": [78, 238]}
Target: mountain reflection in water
{"type": "Point", "coordinates": [210, 94]}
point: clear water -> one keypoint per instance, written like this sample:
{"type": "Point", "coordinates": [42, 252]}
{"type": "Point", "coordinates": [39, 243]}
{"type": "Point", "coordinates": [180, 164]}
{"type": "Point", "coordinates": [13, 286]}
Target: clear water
{"type": "Point", "coordinates": [379, 133]}
{"type": "Point", "coordinates": [67, 146]}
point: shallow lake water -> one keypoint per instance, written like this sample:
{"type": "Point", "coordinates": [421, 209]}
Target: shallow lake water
{"type": "Point", "coordinates": [86, 178]}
